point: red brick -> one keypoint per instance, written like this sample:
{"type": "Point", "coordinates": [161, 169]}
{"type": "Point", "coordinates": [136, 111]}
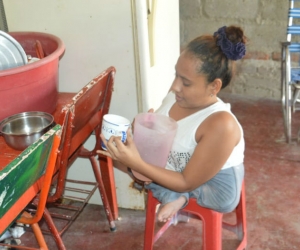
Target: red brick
{"type": "Point", "coordinates": [258, 55]}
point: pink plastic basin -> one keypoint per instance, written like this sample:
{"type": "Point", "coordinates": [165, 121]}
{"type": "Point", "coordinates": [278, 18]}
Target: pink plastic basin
{"type": "Point", "coordinates": [34, 86]}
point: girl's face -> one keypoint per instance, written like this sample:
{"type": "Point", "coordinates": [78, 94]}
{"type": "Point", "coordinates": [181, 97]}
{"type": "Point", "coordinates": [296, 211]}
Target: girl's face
{"type": "Point", "coordinates": [191, 88]}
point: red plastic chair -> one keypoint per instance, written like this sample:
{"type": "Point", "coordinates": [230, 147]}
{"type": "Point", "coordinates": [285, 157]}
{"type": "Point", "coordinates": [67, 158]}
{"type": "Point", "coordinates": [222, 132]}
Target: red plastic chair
{"type": "Point", "coordinates": [212, 223]}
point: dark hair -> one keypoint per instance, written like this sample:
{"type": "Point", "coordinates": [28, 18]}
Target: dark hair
{"type": "Point", "coordinates": [215, 62]}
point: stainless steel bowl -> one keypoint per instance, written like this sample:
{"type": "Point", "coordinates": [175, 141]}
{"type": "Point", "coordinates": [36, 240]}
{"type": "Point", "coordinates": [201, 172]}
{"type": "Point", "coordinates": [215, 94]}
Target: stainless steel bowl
{"type": "Point", "coordinates": [21, 130]}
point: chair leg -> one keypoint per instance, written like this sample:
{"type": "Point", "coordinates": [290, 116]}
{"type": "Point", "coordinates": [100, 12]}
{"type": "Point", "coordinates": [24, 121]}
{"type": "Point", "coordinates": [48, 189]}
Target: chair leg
{"type": "Point", "coordinates": [103, 194]}
{"type": "Point", "coordinates": [287, 114]}
{"type": "Point", "coordinates": [242, 220]}
{"type": "Point", "coordinates": [149, 237]}
{"type": "Point", "coordinates": [286, 94]}
{"type": "Point", "coordinates": [212, 225]}
{"type": "Point", "coordinates": [39, 236]}
{"type": "Point", "coordinates": [240, 228]}
{"type": "Point", "coordinates": [107, 173]}
{"type": "Point", "coordinates": [212, 231]}
{"type": "Point", "coordinates": [237, 228]}
{"type": "Point", "coordinates": [36, 230]}
{"type": "Point", "coordinates": [54, 232]}
{"type": "Point", "coordinates": [150, 222]}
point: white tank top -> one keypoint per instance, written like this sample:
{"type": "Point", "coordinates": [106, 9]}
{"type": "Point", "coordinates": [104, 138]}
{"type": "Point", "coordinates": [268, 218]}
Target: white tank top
{"type": "Point", "coordinates": [184, 141]}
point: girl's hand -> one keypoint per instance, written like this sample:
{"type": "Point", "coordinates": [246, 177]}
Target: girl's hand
{"type": "Point", "coordinates": [125, 153]}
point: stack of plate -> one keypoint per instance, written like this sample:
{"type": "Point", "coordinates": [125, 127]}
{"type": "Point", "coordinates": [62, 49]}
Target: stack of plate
{"type": "Point", "coordinates": [11, 52]}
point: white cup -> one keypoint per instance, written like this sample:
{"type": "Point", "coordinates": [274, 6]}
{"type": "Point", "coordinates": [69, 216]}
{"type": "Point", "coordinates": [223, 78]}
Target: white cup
{"type": "Point", "coordinates": [114, 125]}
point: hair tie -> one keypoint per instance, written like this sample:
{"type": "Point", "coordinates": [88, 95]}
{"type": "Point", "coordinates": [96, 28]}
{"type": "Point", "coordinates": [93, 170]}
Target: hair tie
{"type": "Point", "coordinates": [232, 51]}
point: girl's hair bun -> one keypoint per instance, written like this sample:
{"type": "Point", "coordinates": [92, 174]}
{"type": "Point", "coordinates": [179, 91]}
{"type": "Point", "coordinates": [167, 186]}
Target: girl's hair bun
{"type": "Point", "coordinates": [232, 42]}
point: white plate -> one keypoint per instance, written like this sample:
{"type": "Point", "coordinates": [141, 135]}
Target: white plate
{"type": "Point", "coordinates": [11, 52]}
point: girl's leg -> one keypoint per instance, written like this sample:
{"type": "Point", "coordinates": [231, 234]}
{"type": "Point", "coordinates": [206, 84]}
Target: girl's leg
{"type": "Point", "coordinates": [222, 192]}
{"type": "Point", "coordinates": [171, 202]}
{"type": "Point", "coordinates": [167, 211]}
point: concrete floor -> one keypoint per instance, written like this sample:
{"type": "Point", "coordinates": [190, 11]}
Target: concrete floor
{"type": "Point", "coordinates": [272, 195]}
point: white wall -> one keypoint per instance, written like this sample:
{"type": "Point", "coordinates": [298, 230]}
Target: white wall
{"type": "Point", "coordinates": [98, 34]}
{"type": "Point", "coordinates": [158, 78]}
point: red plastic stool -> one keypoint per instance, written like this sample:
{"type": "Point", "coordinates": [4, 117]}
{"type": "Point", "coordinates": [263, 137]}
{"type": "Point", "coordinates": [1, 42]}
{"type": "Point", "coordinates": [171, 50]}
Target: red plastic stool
{"type": "Point", "coordinates": [212, 223]}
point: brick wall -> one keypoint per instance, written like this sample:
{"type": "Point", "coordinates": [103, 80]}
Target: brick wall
{"type": "Point", "coordinates": [264, 23]}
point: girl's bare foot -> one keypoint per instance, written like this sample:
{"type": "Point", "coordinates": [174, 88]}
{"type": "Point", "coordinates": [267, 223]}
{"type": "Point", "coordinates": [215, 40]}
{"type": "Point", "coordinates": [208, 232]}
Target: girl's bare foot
{"type": "Point", "coordinates": [167, 211]}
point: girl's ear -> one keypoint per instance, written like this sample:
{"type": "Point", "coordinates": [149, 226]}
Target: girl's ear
{"type": "Point", "coordinates": [216, 86]}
